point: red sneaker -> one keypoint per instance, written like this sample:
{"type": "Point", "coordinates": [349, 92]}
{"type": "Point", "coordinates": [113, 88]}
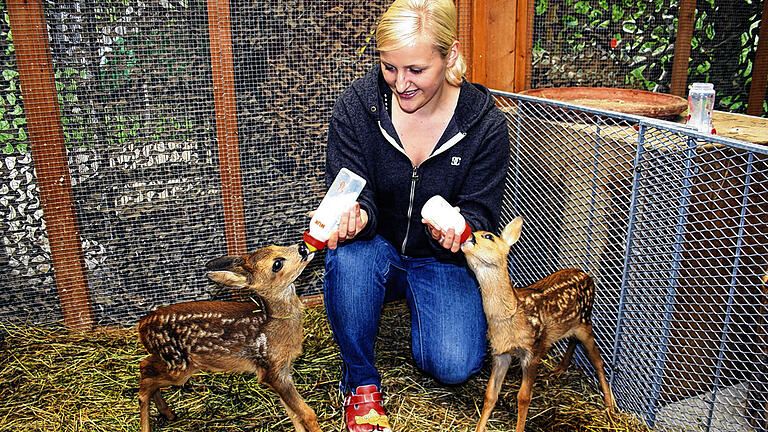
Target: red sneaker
{"type": "Point", "coordinates": [364, 412]}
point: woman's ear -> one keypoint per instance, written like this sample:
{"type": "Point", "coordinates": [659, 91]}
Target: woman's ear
{"type": "Point", "coordinates": [453, 54]}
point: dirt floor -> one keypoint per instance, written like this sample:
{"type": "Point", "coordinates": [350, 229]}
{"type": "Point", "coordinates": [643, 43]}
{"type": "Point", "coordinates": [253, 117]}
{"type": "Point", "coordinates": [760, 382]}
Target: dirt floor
{"type": "Point", "coordinates": [53, 380]}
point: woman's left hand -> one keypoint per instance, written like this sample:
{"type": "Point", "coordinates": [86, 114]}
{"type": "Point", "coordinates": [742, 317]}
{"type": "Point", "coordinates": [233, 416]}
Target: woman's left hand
{"type": "Point", "coordinates": [447, 239]}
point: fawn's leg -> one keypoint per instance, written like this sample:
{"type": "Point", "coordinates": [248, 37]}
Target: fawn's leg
{"type": "Point", "coordinates": [149, 369]}
{"type": "Point", "coordinates": [566, 357]}
{"type": "Point", "coordinates": [499, 366]}
{"type": "Point", "coordinates": [299, 412]}
{"type": "Point", "coordinates": [162, 405]}
{"type": "Point", "coordinates": [294, 417]}
{"type": "Point", "coordinates": [587, 338]}
{"type": "Point", "coordinates": [524, 394]}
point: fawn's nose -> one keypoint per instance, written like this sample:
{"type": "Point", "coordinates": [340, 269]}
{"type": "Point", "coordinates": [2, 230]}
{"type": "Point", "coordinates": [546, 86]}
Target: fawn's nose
{"type": "Point", "coordinates": [304, 252]}
{"type": "Point", "coordinates": [471, 239]}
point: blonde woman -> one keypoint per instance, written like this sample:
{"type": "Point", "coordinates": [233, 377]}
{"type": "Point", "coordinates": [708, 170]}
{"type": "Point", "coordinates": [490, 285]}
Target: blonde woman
{"type": "Point", "coordinates": [413, 128]}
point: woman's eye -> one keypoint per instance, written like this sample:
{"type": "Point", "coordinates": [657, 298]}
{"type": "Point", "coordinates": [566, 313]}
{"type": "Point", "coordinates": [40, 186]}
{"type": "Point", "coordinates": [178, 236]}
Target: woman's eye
{"type": "Point", "coordinates": [417, 71]}
{"type": "Point", "coordinates": [389, 68]}
{"type": "Point", "coordinates": [277, 265]}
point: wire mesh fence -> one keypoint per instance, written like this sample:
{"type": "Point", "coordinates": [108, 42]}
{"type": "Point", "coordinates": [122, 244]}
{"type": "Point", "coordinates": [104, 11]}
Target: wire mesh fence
{"type": "Point", "coordinates": [672, 225]}
{"type": "Point", "coordinates": [135, 83]}
{"type": "Point", "coordinates": [626, 44]}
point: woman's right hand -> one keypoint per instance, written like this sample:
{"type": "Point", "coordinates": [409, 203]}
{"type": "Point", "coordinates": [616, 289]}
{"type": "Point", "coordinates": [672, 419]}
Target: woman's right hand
{"type": "Point", "coordinates": [351, 223]}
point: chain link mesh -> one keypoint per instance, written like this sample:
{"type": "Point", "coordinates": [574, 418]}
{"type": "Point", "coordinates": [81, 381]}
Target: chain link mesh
{"type": "Point", "coordinates": [672, 226]}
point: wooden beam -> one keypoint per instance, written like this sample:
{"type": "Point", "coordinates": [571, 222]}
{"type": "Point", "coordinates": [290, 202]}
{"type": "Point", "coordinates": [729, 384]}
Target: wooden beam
{"type": "Point", "coordinates": [523, 45]}
{"type": "Point", "coordinates": [500, 47]}
{"type": "Point", "coordinates": [679, 79]}
{"type": "Point", "coordinates": [760, 69]}
{"type": "Point", "coordinates": [479, 29]}
{"type": "Point", "coordinates": [46, 136]}
{"type": "Point", "coordinates": [220, 35]}
{"type": "Point", "coordinates": [501, 42]}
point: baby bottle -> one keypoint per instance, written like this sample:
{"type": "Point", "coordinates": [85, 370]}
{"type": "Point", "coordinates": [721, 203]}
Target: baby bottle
{"type": "Point", "coordinates": [340, 197]}
{"type": "Point", "coordinates": [442, 215]}
{"type": "Point", "coordinates": [701, 102]}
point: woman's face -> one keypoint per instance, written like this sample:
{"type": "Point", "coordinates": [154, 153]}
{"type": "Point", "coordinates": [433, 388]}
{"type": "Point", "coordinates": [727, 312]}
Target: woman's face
{"type": "Point", "coordinates": [416, 73]}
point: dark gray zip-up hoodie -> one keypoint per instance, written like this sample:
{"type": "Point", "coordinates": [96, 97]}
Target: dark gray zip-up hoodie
{"type": "Point", "coordinates": [467, 166]}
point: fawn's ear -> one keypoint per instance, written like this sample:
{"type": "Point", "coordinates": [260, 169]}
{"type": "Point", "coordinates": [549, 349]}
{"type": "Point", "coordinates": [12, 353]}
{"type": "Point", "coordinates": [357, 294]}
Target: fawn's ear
{"type": "Point", "coordinates": [512, 231]}
{"type": "Point", "coordinates": [228, 278]}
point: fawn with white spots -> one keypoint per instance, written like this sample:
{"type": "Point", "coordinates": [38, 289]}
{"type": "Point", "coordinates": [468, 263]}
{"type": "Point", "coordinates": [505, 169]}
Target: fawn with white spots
{"type": "Point", "coordinates": [261, 337]}
{"type": "Point", "coordinates": [526, 322]}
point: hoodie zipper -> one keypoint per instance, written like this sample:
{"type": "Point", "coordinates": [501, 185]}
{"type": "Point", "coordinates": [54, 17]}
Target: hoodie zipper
{"type": "Point", "coordinates": [415, 174]}
{"type": "Point", "coordinates": [414, 178]}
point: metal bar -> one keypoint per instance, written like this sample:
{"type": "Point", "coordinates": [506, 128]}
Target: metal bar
{"type": "Point", "coordinates": [46, 136]}
{"type": "Point", "coordinates": [593, 196]}
{"type": "Point", "coordinates": [731, 293]}
{"type": "Point", "coordinates": [516, 194]}
{"type": "Point", "coordinates": [663, 125]}
{"type": "Point", "coordinates": [226, 125]}
{"type": "Point", "coordinates": [627, 252]}
{"type": "Point", "coordinates": [674, 275]}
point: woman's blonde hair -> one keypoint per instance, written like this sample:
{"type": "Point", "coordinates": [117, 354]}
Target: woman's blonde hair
{"type": "Point", "coordinates": [406, 20]}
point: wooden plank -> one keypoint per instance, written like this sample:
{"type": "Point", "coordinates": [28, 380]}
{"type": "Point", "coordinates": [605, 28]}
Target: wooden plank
{"type": "Point", "coordinates": [523, 45]}
{"type": "Point", "coordinates": [502, 33]}
{"type": "Point", "coordinates": [679, 79]}
{"type": "Point", "coordinates": [46, 136]}
{"type": "Point", "coordinates": [479, 28]}
{"type": "Point", "coordinates": [760, 69]}
{"type": "Point", "coordinates": [220, 35]}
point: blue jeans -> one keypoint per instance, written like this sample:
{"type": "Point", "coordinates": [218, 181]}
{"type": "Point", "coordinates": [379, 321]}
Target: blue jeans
{"type": "Point", "coordinates": [448, 327]}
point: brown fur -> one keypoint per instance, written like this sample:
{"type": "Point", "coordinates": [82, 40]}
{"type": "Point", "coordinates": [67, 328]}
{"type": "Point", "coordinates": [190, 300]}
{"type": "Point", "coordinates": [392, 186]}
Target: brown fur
{"type": "Point", "coordinates": [526, 322]}
{"type": "Point", "coordinates": [262, 336]}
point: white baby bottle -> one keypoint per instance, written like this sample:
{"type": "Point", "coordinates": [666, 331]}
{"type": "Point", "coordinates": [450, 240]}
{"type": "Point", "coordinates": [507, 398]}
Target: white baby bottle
{"type": "Point", "coordinates": [340, 197]}
{"type": "Point", "coordinates": [442, 215]}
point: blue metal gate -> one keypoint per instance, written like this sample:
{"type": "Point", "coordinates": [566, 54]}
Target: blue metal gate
{"type": "Point", "coordinates": [673, 225]}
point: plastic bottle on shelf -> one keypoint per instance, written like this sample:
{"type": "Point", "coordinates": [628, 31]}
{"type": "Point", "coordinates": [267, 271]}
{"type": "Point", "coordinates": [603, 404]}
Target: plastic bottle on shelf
{"type": "Point", "coordinates": [340, 197]}
{"type": "Point", "coordinates": [442, 215]}
{"type": "Point", "coordinates": [701, 102]}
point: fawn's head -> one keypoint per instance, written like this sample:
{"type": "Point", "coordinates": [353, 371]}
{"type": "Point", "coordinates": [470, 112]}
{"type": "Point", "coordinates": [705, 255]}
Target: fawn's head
{"type": "Point", "coordinates": [269, 272]}
{"type": "Point", "coordinates": [485, 250]}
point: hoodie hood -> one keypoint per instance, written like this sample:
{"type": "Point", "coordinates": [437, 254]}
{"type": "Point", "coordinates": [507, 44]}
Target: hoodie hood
{"type": "Point", "coordinates": [474, 102]}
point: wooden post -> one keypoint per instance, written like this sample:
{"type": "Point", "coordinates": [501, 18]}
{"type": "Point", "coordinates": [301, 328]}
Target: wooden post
{"type": "Point", "coordinates": [760, 69]}
{"type": "Point", "coordinates": [226, 124]}
{"type": "Point", "coordinates": [501, 43]}
{"type": "Point", "coordinates": [523, 44]}
{"type": "Point", "coordinates": [46, 136]}
{"type": "Point", "coordinates": [679, 79]}
{"type": "Point", "coordinates": [478, 36]}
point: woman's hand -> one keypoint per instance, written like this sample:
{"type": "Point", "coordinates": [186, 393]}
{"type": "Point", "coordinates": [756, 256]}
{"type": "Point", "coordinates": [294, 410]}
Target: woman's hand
{"type": "Point", "coordinates": [351, 223]}
{"type": "Point", "coordinates": [447, 239]}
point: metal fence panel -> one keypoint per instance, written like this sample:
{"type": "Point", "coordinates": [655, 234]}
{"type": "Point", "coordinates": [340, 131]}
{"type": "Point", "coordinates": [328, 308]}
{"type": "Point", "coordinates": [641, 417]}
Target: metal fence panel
{"type": "Point", "coordinates": [672, 224]}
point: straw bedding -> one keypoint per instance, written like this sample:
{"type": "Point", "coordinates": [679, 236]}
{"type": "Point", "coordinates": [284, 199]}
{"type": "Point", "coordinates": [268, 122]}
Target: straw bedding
{"type": "Point", "coordinates": [55, 380]}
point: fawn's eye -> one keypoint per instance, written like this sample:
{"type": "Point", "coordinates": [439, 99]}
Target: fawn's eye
{"type": "Point", "coordinates": [277, 265]}
{"type": "Point", "coordinates": [488, 236]}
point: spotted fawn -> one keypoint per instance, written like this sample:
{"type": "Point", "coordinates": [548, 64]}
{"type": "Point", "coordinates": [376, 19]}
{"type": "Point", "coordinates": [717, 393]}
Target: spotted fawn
{"type": "Point", "coordinates": [526, 322]}
{"type": "Point", "coordinates": [262, 336]}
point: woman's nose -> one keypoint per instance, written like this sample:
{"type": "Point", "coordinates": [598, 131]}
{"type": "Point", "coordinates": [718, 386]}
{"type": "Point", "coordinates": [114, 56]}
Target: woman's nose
{"type": "Point", "coordinates": [401, 83]}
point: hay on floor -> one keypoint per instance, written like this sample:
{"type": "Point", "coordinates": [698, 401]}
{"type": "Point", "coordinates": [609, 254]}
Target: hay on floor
{"type": "Point", "coordinates": [55, 380]}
